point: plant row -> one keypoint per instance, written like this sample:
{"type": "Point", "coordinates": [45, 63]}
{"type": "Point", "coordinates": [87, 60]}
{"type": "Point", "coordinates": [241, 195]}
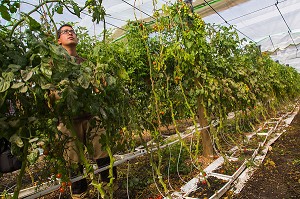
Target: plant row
{"type": "Point", "coordinates": [174, 67]}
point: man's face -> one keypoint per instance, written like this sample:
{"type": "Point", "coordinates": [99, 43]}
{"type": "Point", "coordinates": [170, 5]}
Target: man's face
{"type": "Point", "coordinates": [67, 37]}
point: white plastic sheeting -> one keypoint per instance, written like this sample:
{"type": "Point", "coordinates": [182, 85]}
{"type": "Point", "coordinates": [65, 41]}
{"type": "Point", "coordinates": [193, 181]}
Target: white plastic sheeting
{"type": "Point", "coordinates": [272, 24]}
{"type": "Point", "coordinates": [119, 12]}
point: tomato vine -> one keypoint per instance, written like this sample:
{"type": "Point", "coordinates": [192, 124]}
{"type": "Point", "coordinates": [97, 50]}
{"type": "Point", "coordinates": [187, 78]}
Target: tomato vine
{"type": "Point", "coordinates": [172, 68]}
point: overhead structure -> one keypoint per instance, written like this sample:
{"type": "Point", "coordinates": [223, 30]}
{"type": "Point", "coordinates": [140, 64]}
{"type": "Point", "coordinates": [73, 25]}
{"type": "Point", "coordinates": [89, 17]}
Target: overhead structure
{"type": "Point", "coordinates": [272, 24]}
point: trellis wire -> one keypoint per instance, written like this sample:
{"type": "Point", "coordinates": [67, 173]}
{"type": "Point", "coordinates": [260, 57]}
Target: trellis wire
{"type": "Point", "coordinates": [169, 168]}
{"type": "Point", "coordinates": [153, 175]}
{"type": "Point", "coordinates": [127, 178]}
{"type": "Point", "coordinates": [177, 166]}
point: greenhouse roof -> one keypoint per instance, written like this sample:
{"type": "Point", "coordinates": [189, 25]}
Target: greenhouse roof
{"type": "Point", "coordinates": [272, 24]}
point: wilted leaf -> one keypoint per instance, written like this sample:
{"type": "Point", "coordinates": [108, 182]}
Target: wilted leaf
{"type": "Point", "coordinates": [33, 156]}
{"type": "Point", "coordinates": [47, 86]}
{"type": "Point", "coordinates": [26, 75]}
{"type": "Point", "coordinates": [17, 85]}
{"type": "Point", "coordinates": [33, 140]}
{"type": "Point", "coordinates": [23, 89]}
{"type": "Point", "coordinates": [103, 113]}
{"type": "Point", "coordinates": [84, 81]}
{"type": "Point", "coordinates": [14, 67]}
{"type": "Point", "coordinates": [270, 162]}
{"type": "Point", "coordinates": [64, 82]}
{"type": "Point", "coordinates": [46, 70]}
{"type": "Point", "coordinates": [16, 140]}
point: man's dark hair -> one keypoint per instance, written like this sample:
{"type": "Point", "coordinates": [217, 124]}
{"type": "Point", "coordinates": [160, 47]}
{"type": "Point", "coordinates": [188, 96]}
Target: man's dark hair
{"type": "Point", "coordinates": [59, 30]}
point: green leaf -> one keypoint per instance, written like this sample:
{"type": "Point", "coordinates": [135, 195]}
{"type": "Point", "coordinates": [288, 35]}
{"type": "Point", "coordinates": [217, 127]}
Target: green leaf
{"type": "Point", "coordinates": [189, 44]}
{"type": "Point", "coordinates": [33, 156]}
{"type": "Point", "coordinates": [12, 9]}
{"type": "Point", "coordinates": [46, 86]}
{"type": "Point", "coordinates": [2, 98]}
{"type": "Point", "coordinates": [35, 60]}
{"type": "Point", "coordinates": [59, 50]}
{"type": "Point", "coordinates": [4, 85]}
{"type": "Point", "coordinates": [17, 85]}
{"type": "Point", "coordinates": [32, 119]}
{"type": "Point", "coordinates": [111, 80]}
{"type": "Point", "coordinates": [4, 13]}
{"type": "Point", "coordinates": [84, 81]}
{"type": "Point", "coordinates": [26, 75]}
{"type": "Point", "coordinates": [33, 24]}
{"type": "Point", "coordinates": [123, 74]}
{"type": "Point", "coordinates": [3, 123]}
{"type": "Point", "coordinates": [46, 70]}
{"type": "Point", "coordinates": [9, 45]}
{"type": "Point", "coordinates": [60, 10]}
{"type": "Point", "coordinates": [76, 10]}
{"type": "Point", "coordinates": [8, 76]}
{"type": "Point", "coordinates": [14, 67]}
{"type": "Point", "coordinates": [17, 4]}
{"type": "Point", "coordinates": [41, 81]}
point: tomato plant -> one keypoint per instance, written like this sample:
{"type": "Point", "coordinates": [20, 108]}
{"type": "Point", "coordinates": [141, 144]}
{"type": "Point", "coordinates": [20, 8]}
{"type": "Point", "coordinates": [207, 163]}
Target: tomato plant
{"type": "Point", "coordinates": [177, 68]}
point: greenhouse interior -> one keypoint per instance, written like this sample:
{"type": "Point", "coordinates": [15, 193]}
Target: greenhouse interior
{"type": "Point", "coordinates": [149, 99]}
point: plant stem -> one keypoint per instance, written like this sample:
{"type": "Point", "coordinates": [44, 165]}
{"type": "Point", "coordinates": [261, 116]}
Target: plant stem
{"type": "Point", "coordinates": [52, 20]}
{"type": "Point", "coordinates": [29, 13]}
{"type": "Point", "coordinates": [34, 10]}
{"type": "Point", "coordinates": [22, 171]}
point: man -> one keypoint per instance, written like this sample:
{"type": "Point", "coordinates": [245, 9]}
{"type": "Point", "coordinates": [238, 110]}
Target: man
{"type": "Point", "coordinates": [67, 38]}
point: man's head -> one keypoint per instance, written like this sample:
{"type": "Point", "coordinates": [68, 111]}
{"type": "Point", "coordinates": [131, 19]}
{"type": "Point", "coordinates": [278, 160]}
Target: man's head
{"type": "Point", "coordinates": [66, 36]}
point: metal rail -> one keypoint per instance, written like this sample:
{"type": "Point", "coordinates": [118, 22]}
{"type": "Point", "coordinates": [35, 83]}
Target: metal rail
{"type": "Point", "coordinates": [192, 185]}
